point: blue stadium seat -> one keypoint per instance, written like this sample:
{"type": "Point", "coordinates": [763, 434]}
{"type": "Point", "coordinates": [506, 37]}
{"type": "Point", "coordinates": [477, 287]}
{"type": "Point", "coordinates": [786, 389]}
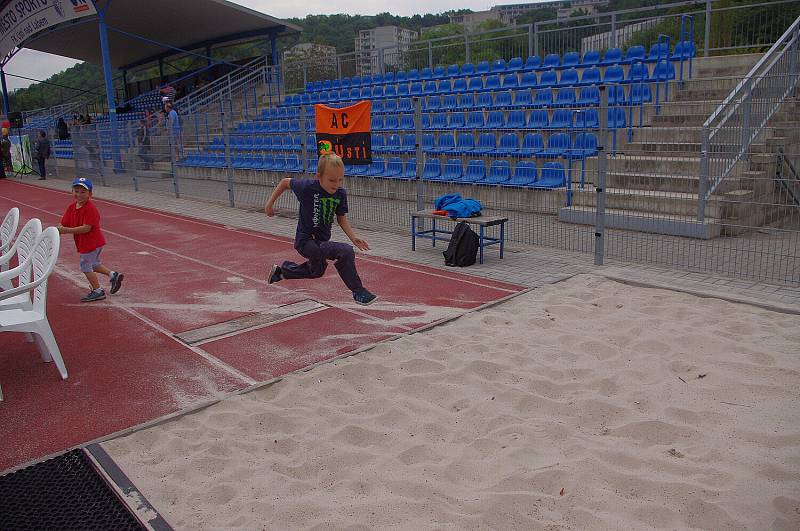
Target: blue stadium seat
{"type": "Point", "coordinates": [499, 172]}
{"type": "Point", "coordinates": [528, 80]}
{"type": "Point", "coordinates": [498, 66]}
{"type": "Point", "coordinates": [637, 72]}
{"type": "Point", "coordinates": [640, 93]}
{"type": "Point", "coordinates": [534, 62]}
{"type": "Point", "coordinates": [400, 76]}
{"type": "Point", "coordinates": [453, 170]}
{"type": "Point", "coordinates": [585, 146]}
{"type": "Point", "coordinates": [616, 95]}
{"type": "Point", "coordinates": [522, 98]}
{"type": "Point", "coordinates": [445, 87]}
{"type": "Point", "coordinates": [409, 169]}
{"type": "Point", "coordinates": [390, 91]}
{"type": "Point", "coordinates": [487, 143]}
{"type": "Point", "coordinates": [459, 85]}
{"type": "Point", "coordinates": [616, 118]}
{"type": "Point", "coordinates": [588, 96]}
{"type": "Point", "coordinates": [432, 169]}
{"type": "Point", "coordinates": [428, 142]}
{"type": "Point", "coordinates": [613, 56]}
{"type": "Point", "coordinates": [548, 79]}
{"type": "Point", "coordinates": [515, 64]}
{"type": "Point", "coordinates": [568, 78]}
{"type": "Point", "coordinates": [377, 143]}
{"type": "Point", "coordinates": [439, 121]}
{"type": "Point", "coordinates": [425, 74]}
{"type": "Point", "coordinates": [516, 119]}
{"type": "Point", "coordinates": [377, 167]}
{"type": "Point", "coordinates": [439, 72]}
{"type": "Point", "coordinates": [292, 164]}
{"type": "Point", "coordinates": [552, 60]}
{"type": "Point", "coordinates": [409, 144]}
{"type": "Point", "coordinates": [496, 120]}
{"type": "Point", "coordinates": [388, 78]}
{"type": "Point", "coordinates": [658, 51]}
{"type": "Point", "coordinates": [431, 104]}
{"type": "Point", "coordinates": [502, 100]}
{"type": "Point", "coordinates": [538, 120]}
{"type": "Point", "coordinates": [390, 106]}
{"type": "Point", "coordinates": [587, 119]}
{"type": "Point", "coordinates": [458, 120]}
{"type": "Point", "coordinates": [524, 174]}
{"type": "Point", "coordinates": [312, 165]}
{"type": "Point", "coordinates": [634, 53]}
{"type": "Point", "coordinates": [553, 176]}
{"type": "Point", "coordinates": [485, 100]}
{"type": "Point", "coordinates": [413, 75]}
{"type": "Point", "coordinates": [366, 93]}
{"type": "Point", "coordinates": [509, 145]}
{"type": "Point", "coordinates": [476, 171]}
{"type": "Point", "coordinates": [684, 50]}
{"type": "Point", "coordinates": [392, 144]}
{"type": "Point", "coordinates": [590, 76]}
{"type": "Point", "coordinates": [467, 69]}
{"type": "Point", "coordinates": [475, 120]}
{"type": "Point", "coordinates": [475, 84]}
{"type": "Point", "coordinates": [377, 106]}
{"type": "Point", "coordinates": [565, 97]}
{"type": "Point", "coordinates": [405, 105]}
{"type": "Point", "coordinates": [425, 121]}
{"type": "Point", "coordinates": [391, 123]}
{"type": "Point", "coordinates": [614, 74]}
{"type": "Point", "coordinates": [544, 98]}
{"type": "Point", "coordinates": [482, 68]}
{"type": "Point", "coordinates": [429, 88]}
{"type": "Point", "coordinates": [492, 83]}
{"type": "Point", "coordinates": [449, 102]}
{"type": "Point", "coordinates": [402, 90]}
{"type": "Point", "coordinates": [336, 84]}
{"type": "Point", "coordinates": [663, 71]}
{"type": "Point", "coordinates": [562, 119]}
{"type": "Point", "coordinates": [591, 58]}
{"type": "Point", "coordinates": [510, 81]}
{"type": "Point", "coordinates": [355, 81]}
{"type": "Point", "coordinates": [416, 89]}
{"type": "Point", "coordinates": [366, 80]}
{"type": "Point", "coordinates": [453, 71]}
{"type": "Point", "coordinates": [465, 143]}
{"type": "Point", "coordinates": [571, 60]}
{"type": "Point", "coordinates": [394, 167]}
{"type": "Point", "coordinates": [466, 102]}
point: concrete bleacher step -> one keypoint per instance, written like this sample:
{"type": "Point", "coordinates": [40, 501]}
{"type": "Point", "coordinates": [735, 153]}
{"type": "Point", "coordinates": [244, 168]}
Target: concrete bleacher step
{"type": "Point", "coordinates": [724, 65]}
{"type": "Point", "coordinates": [649, 201]}
{"type": "Point", "coordinates": [648, 222]}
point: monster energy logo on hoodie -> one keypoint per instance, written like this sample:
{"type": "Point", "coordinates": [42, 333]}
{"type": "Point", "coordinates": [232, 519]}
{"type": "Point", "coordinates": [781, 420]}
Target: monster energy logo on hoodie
{"type": "Point", "coordinates": [324, 209]}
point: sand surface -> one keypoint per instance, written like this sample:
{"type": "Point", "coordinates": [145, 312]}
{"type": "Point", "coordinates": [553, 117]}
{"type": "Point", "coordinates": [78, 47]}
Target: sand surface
{"type": "Point", "coordinates": [587, 404]}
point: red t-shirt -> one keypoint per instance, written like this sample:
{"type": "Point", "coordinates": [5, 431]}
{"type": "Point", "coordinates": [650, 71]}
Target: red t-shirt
{"type": "Point", "coordinates": [86, 215]}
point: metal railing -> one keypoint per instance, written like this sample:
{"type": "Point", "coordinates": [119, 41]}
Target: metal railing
{"type": "Point", "coordinates": [731, 129]}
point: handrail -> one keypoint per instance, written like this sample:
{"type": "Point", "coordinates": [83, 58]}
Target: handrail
{"type": "Point", "coordinates": [738, 122]}
{"type": "Point", "coordinates": [226, 84]}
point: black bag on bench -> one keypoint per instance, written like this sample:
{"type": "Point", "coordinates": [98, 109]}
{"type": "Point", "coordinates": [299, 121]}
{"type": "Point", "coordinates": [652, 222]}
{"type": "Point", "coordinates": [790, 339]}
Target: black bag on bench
{"type": "Point", "coordinates": [463, 247]}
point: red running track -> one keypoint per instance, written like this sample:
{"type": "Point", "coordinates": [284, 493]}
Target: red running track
{"type": "Point", "coordinates": [126, 366]}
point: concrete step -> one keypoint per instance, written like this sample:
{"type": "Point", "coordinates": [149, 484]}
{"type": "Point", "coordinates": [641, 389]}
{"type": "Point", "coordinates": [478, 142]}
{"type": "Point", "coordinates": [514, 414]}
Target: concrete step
{"type": "Point", "coordinates": [647, 201]}
{"type": "Point", "coordinates": [686, 226]}
{"type": "Point", "coordinates": [665, 180]}
{"type": "Point", "coordinates": [724, 65]}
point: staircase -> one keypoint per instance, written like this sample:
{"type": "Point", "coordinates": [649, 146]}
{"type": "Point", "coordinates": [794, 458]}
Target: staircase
{"type": "Point", "coordinates": [652, 182]}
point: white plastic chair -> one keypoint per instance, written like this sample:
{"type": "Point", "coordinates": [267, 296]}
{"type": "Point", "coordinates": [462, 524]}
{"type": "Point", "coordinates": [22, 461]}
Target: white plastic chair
{"type": "Point", "coordinates": [8, 229]}
{"type": "Point", "coordinates": [21, 248]}
{"type": "Point", "coordinates": [43, 260]}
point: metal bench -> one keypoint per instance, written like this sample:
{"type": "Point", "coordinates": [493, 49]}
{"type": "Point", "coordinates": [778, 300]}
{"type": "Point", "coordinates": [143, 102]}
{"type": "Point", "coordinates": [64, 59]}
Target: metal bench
{"type": "Point", "coordinates": [435, 234]}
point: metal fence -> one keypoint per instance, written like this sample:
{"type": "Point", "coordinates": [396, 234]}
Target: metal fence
{"type": "Point", "coordinates": [633, 196]}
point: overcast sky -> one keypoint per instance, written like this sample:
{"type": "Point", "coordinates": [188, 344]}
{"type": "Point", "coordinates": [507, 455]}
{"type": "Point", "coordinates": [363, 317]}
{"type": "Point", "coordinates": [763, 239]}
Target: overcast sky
{"type": "Point", "coordinates": [39, 65]}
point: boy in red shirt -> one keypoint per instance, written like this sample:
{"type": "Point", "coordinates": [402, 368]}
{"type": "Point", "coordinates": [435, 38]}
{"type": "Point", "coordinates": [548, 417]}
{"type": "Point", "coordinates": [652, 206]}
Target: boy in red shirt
{"type": "Point", "coordinates": [82, 220]}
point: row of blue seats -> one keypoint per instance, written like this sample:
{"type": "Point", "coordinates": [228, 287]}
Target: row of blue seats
{"type": "Point", "coordinates": [525, 173]}
{"type": "Point", "coordinates": [562, 118]}
{"type": "Point", "coordinates": [637, 73]}
{"type": "Point", "coordinates": [613, 56]}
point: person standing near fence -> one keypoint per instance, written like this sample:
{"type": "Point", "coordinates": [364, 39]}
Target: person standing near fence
{"type": "Point", "coordinates": [5, 152]}
{"type": "Point", "coordinates": [173, 125]}
{"type": "Point", "coordinates": [41, 152]}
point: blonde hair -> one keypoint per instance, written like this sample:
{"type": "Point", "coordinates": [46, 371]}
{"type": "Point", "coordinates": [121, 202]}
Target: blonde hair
{"type": "Point", "coordinates": [329, 159]}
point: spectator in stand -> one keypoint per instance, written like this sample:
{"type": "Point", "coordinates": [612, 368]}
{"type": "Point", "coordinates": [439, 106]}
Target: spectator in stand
{"type": "Point", "coordinates": [41, 152]}
{"type": "Point", "coordinates": [173, 127]}
{"type": "Point", "coordinates": [168, 92]}
{"type": "Point", "coordinates": [62, 130]}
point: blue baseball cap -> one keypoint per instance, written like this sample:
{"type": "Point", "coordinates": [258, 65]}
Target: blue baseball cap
{"type": "Point", "coordinates": [83, 181]}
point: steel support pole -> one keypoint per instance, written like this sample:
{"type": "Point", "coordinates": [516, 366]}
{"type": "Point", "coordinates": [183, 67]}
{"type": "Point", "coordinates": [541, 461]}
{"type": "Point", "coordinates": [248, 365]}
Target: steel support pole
{"type": "Point", "coordinates": [707, 39]}
{"type": "Point", "coordinates": [109, 82]}
{"type": "Point", "coordinates": [600, 208]}
{"type": "Point", "coordinates": [6, 105]}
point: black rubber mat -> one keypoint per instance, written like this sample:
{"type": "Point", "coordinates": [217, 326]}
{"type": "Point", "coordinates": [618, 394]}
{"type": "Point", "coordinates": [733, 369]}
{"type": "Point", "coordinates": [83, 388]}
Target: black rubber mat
{"type": "Point", "coordinates": [64, 492]}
